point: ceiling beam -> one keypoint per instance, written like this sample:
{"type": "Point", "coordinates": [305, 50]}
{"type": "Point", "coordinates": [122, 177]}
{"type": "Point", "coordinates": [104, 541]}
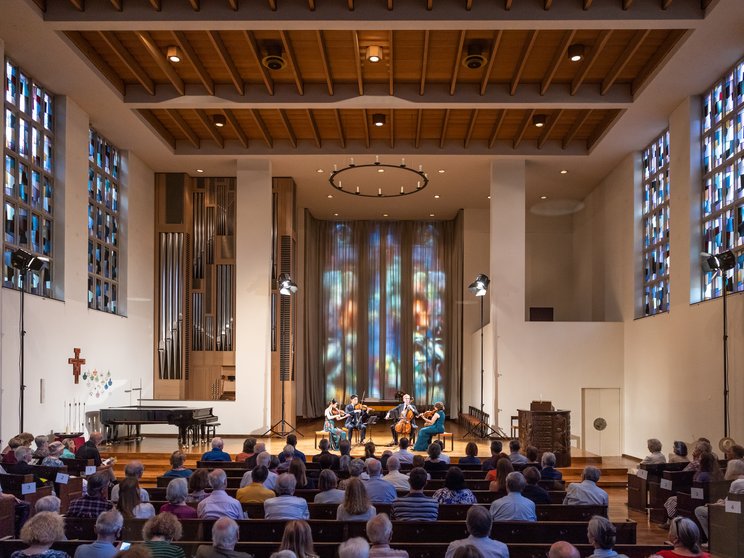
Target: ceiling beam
{"type": "Point", "coordinates": [491, 59]}
{"type": "Point", "coordinates": [350, 5]}
{"type": "Point", "coordinates": [357, 61]}
{"type": "Point", "coordinates": [242, 136]}
{"type": "Point", "coordinates": [158, 127]}
{"type": "Point", "coordinates": [471, 127]}
{"type": "Point", "coordinates": [227, 61]}
{"type": "Point", "coordinates": [496, 128]}
{"type": "Point", "coordinates": [526, 123]}
{"type": "Point", "coordinates": [391, 119]}
{"type": "Point", "coordinates": [128, 60]}
{"type": "Point", "coordinates": [626, 4]}
{"type": "Point", "coordinates": [558, 57]}
{"type": "Point", "coordinates": [288, 128]}
{"type": "Point", "coordinates": [552, 121]}
{"type": "Point", "coordinates": [193, 59]}
{"type": "Point", "coordinates": [424, 63]}
{"type": "Point", "coordinates": [256, 52]}
{"type": "Point", "coordinates": [195, 5]}
{"type": "Point", "coordinates": [365, 123]}
{"type": "Point", "coordinates": [161, 61]}
{"type": "Point", "coordinates": [590, 59]}
{"type": "Point", "coordinates": [324, 61]}
{"type": "Point", "coordinates": [272, 5]}
{"type": "Point", "coordinates": [578, 123]}
{"type": "Point", "coordinates": [526, 49]}
{"type": "Point", "coordinates": [391, 64]}
{"type": "Point", "coordinates": [665, 4]}
{"type": "Point", "coordinates": [289, 52]}
{"type": "Point", "coordinates": [340, 128]}
{"type": "Point", "coordinates": [182, 125]}
{"type": "Point", "coordinates": [311, 5]}
{"type": "Point", "coordinates": [655, 61]}
{"type": "Point", "coordinates": [82, 44]}
{"type": "Point", "coordinates": [419, 118]}
{"type": "Point", "coordinates": [468, 5]}
{"type": "Point", "coordinates": [507, 5]}
{"type": "Point", "coordinates": [429, 5]}
{"type": "Point", "coordinates": [635, 42]}
{"type": "Point", "coordinates": [601, 129]}
{"type": "Point", "coordinates": [262, 127]}
{"type": "Point", "coordinates": [547, 4]}
{"type": "Point", "coordinates": [79, 5]}
{"type": "Point", "coordinates": [314, 128]}
{"type": "Point", "coordinates": [587, 4]}
{"type": "Point", "coordinates": [390, 5]}
{"type": "Point", "coordinates": [211, 128]}
{"type": "Point", "coordinates": [118, 5]}
{"type": "Point", "coordinates": [233, 4]}
{"type": "Point", "coordinates": [156, 5]}
{"type": "Point", "coordinates": [443, 133]}
{"type": "Point", "coordinates": [458, 57]}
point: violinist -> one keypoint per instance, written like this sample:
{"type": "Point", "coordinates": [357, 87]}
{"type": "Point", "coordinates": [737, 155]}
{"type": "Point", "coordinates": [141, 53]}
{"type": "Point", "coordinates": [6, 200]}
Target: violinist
{"type": "Point", "coordinates": [332, 414]}
{"type": "Point", "coordinates": [404, 415]}
{"type": "Point", "coordinates": [356, 414]}
{"type": "Point", "coordinates": [434, 425]}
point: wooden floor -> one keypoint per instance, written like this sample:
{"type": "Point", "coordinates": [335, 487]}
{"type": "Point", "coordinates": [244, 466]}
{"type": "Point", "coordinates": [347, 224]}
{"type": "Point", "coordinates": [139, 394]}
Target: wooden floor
{"type": "Point", "coordinates": [154, 451]}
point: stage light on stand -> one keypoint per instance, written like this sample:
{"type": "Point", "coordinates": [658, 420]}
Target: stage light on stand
{"type": "Point", "coordinates": [287, 287]}
{"type": "Point", "coordinates": [479, 287]}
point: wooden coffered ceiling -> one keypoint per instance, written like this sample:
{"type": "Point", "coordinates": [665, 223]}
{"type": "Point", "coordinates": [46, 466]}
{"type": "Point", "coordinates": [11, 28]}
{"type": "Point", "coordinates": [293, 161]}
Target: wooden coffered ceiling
{"type": "Point", "coordinates": [324, 97]}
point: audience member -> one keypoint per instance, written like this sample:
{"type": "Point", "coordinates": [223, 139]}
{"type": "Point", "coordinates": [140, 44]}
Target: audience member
{"type": "Point", "coordinates": [734, 451]}
{"type": "Point", "coordinates": [498, 476]}
{"type": "Point", "coordinates": [416, 506]}
{"type": "Point", "coordinates": [24, 457]}
{"type": "Point", "coordinates": [328, 487]}
{"type": "Point", "coordinates": [298, 470]}
{"type": "Point", "coordinates": [586, 492]}
{"type": "Point", "coordinates": [533, 491]}
{"type": "Point", "coordinates": [685, 537]}
{"type": "Point", "coordinates": [26, 439]}
{"type": "Point", "coordinates": [384, 458]}
{"type": "Point", "coordinates": [285, 458]}
{"type": "Point", "coordinates": [679, 453]}
{"type": "Point", "coordinates": [225, 533]}
{"type": "Point", "coordinates": [514, 455]}
{"type": "Point", "coordinates": [394, 476]}
{"type": "Point", "coordinates": [94, 501]}
{"type": "Point", "coordinates": [709, 469]}
{"type": "Point", "coordinates": [176, 494]}
{"type": "Point", "coordinates": [216, 453]}
{"type": "Point", "coordinates": [135, 551]}
{"type": "Point", "coordinates": [283, 554]}
{"type": "Point", "coordinates": [298, 538]}
{"type": "Point", "coordinates": [54, 453]}
{"type": "Point", "coordinates": [434, 461]}
{"type": "Point", "coordinates": [548, 471]}
{"type": "Point", "coordinates": [159, 533]}
{"type": "Point", "coordinates": [259, 448]}
{"type": "Point", "coordinates": [177, 470]}
{"type": "Point", "coordinates": [380, 533]}
{"type": "Point", "coordinates": [285, 505]}
{"type": "Point", "coordinates": [42, 448]}
{"type": "Point", "coordinates": [467, 551]}
{"type": "Point", "coordinates": [533, 456]}
{"type": "Point", "coordinates": [496, 454]}
{"type": "Point", "coordinates": [734, 473]}
{"type": "Point", "coordinates": [563, 549]}
{"type": "Point", "coordinates": [323, 445]}
{"type": "Point", "coordinates": [356, 505]}
{"type": "Point", "coordinates": [379, 490]}
{"type": "Point", "coordinates": [130, 502]}
{"type": "Point", "coordinates": [602, 534]}
{"type": "Point", "coordinates": [219, 503]}
{"type": "Point", "coordinates": [369, 450]}
{"type": "Point", "coordinates": [249, 447]}
{"type": "Point", "coordinates": [471, 453]}
{"type": "Point", "coordinates": [297, 454]}
{"type": "Point", "coordinates": [69, 451]}
{"type": "Point", "coordinates": [9, 457]}
{"type": "Point", "coordinates": [478, 522]}
{"type": "Point", "coordinates": [198, 485]}
{"type": "Point", "coordinates": [514, 506]}
{"type": "Point", "coordinates": [442, 454]}
{"type": "Point", "coordinates": [263, 459]}
{"type": "Point", "coordinates": [403, 454]}
{"type": "Point", "coordinates": [48, 504]}
{"type": "Point", "coordinates": [655, 457]}
{"type": "Point", "coordinates": [699, 448]}
{"type": "Point", "coordinates": [89, 450]}
{"type": "Point", "coordinates": [355, 547]}
{"type": "Point", "coordinates": [344, 448]}
{"type": "Point", "coordinates": [356, 469]}
{"type": "Point", "coordinates": [132, 470]}
{"type": "Point", "coordinates": [108, 526]}
{"type": "Point", "coordinates": [256, 492]}
{"type": "Point", "coordinates": [455, 490]}
{"type": "Point", "coordinates": [39, 533]}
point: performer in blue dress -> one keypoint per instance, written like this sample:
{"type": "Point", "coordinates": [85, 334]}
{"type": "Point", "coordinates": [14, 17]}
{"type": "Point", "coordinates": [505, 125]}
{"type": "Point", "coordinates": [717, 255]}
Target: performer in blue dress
{"type": "Point", "coordinates": [332, 414]}
{"type": "Point", "coordinates": [435, 425]}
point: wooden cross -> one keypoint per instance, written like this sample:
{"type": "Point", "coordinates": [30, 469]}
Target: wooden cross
{"type": "Point", "coordinates": [76, 362]}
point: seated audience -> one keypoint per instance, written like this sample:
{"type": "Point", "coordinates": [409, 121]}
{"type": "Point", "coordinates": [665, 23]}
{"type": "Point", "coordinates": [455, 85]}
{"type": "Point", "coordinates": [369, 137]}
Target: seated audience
{"type": "Point", "coordinates": [356, 470]}
{"type": "Point", "coordinates": [328, 487]}
{"type": "Point", "coordinates": [416, 506]}
{"type": "Point", "coordinates": [138, 550]}
{"type": "Point", "coordinates": [471, 453]}
{"type": "Point", "coordinates": [159, 533]}
{"type": "Point", "coordinates": [297, 454]}
{"type": "Point", "coordinates": [47, 504]}
{"type": "Point", "coordinates": [496, 454]}
{"type": "Point", "coordinates": [9, 457]}
{"type": "Point", "coordinates": [108, 526]}
{"type": "Point", "coordinates": [442, 454]}
{"type": "Point", "coordinates": [298, 538]}
{"type": "Point", "coordinates": [177, 470]}
{"type": "Point", "coordinates": [478, 522]}
{"type": "Point", "coordinates": [297, 468]}
{"type": "Point", "coordinates": [655, 456]}
{"type": "Point", "coordinates": [403, 455]}
{"type": "Point", "coordinates": [533, 491]}
{"type": "Point", "coordinates": [69, 451]}
{"type": "Point", "coordinates": [514, 455]}
{"type": "Point", "coordinates": [602, 534]}
{"type": "Point", "coordinates": [42, 448]}
{"type": "Point", "coordinates": [323, 445]}
{"type": "Point", "coordinates": [263, 459]}
{"type": "Point", "coordinates": [216, 453]}
{"type": "Point", "coordinates": [39, 533]}
{"type": "Point", "coordinates": [709, 469]}
{"type": "Point", "coordinates": [176, 494]}
{"type": "Point", "coordinates": [369, 451]}
{"type": "Point", "coordinates": [378, 490]}
{"type": "Point", "coordinates": [129, 501]}
{"type": "Point", "coordinates": [380, 533]}
{"type": "Point", "coordinates": [679, 453]}
{"type": "Point", "coordinates": [198, 485]}
{"type": "Point", "coordinates": [734, 452]}
{"type": "Point", "coordinates": [286, 505]}
{"type": "Point", "coordinates": [498, 476]}
{"type": "Point", "coordinates": [285, 458]}
{"type": "Point", "coordinates": [132, 470]}
{"type": "Point", "coordinates": [586, 492]}
{"type": "Point", "coordinates": [249, 447]}
{"type": "Point", "coordinates": [94, 501]}
{"type": "Point", "coordinates": [548, 471]}
{"type": "Point", "coordinates": [467, 551]}
{"type": "Point", "coordinates": [54, 453]}
{"type": "Point", "coordinates": [355, 547]}
{"type": "Point", "coordinates": [256, 492]}
{"type": "Point", "coordinates": [26, 439]}
{"type": "Point", "coordinates": [89, 450]}
{"type": "Point", "coordinates": [356, 505]}
{"type": "Point", "coordinates": [563, 549]}
{"type": "Point", "coordinates": [283, 554]}
{"type": "Point", "coordinates": [225, 535]}
{"type": "Point", "coordinates": [344, 448]}
{"type": "Point", "coordinates": [24, 457]}
{"type": "Point", "coordinates": [434, 461]}
{"type": "Point", "coordinates": [514, 506]}
{"type": "Point", "coordinates": [455, 491]}
{"type": "Point", "coordinates": [734, 473]}
{"type": "Point", "coordinates": [698, 449]}
{"type": "Point", "coordinates": [394, 476]}
{"type": "Point", "coordinates": [219, 503]}
{"type": "Point", "coordinates": [259, 448]}
{"type": "Point", "coordinates": [685, 537]}
{"type": "Point", "coordinates": [533, 456]}
{"type": "Point", "coordinates": [384, 458]}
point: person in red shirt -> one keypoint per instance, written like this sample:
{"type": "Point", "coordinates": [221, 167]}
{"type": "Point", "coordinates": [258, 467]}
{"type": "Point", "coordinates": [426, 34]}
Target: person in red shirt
{"type": "Point", "coordinates": [685, 536]}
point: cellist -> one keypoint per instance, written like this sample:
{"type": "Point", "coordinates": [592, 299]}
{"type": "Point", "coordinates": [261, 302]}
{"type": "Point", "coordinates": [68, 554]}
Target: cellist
{"type": "Point", "coordinates": [402, 412]}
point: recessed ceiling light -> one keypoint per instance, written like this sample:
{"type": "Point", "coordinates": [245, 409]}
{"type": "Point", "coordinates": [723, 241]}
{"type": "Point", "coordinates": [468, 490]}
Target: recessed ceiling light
{"type": "Point", "coordinates": [575, 52]}
{"type": "Point", "coordinates": [374, 53]}
{"type": "Point", "coordinates": [378, 119]}
{"type": "Point", "coordinates": [174, 54]}
{"type": "Point", "coordinates": [330, 196]}
{"type": "Point", "coordinates": [489, 197]}
{"type": "Point", "coordinates": [199, 170]}
{"type": "Point", "coordinates": [441, 171]}
{"type": "Point", "coordinates": [538, 120]}
{"type": "Point", "coordinates": [380, 170]}
{"type": "Point", "coordinates": [335, 214]}
{"type": "Point", "coordinates": [543, 197]}
{"type": "Point", "coordinates": [436, 196]}
{"type": "Point", "coordinates": [385, 215]}
{"type": "Point", "coordinates": [564, 171]}
{"type": "Point", "coordinates": [319, 171]}
{"type": "Point", "coordinates": [431, 215]}
{"type": "Point", "coordinates": [219, 120]}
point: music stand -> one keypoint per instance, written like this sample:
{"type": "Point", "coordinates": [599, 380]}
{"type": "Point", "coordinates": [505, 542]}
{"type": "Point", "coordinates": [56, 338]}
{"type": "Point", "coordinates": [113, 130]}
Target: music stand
{"type": "Point", "coordinates": [373, 419]}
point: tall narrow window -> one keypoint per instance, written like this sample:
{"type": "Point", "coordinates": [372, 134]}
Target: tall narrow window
{"type": "Point", "coordinates": [104, 191]}
{"type": "Point", "coordinates": [723, 176]}
{"type": "Point", "coordinates": [655, 222]}
{"type": "Point", "coordinates": [28, 180]}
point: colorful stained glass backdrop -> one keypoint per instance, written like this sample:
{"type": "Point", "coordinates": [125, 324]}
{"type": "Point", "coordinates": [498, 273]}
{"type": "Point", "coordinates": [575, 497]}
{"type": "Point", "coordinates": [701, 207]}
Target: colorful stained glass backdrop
{"type": "Point", "coordinates": [723, 176]}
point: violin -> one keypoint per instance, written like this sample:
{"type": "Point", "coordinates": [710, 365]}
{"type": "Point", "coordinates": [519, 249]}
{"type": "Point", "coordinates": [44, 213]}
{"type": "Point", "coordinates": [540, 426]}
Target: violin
{"type": "Point", "coordinates": [363, 408]}
{"type": "Point", "coordinates": [426, 415]}
{"type": "Point", "coordinates": [338, 414]}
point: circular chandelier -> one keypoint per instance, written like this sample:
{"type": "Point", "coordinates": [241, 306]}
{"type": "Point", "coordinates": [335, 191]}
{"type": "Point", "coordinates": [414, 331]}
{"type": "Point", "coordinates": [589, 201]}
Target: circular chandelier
{"type": "Point", "coordinates": [374, 180]}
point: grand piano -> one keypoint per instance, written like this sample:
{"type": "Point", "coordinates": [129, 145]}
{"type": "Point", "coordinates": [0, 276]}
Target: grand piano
{"type": "Point", "coordinates": [192, 423]}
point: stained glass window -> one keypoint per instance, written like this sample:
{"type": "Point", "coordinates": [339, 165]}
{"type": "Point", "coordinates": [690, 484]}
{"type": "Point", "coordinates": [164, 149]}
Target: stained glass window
{"type": "Point", "coordinates": [723, 177]}
{"type": "Point", "coordinates": [28, 177]}
{"type": "Point", "coordinates": [655, 224]}
{"type": "Point", "coordinates": [104, 199]}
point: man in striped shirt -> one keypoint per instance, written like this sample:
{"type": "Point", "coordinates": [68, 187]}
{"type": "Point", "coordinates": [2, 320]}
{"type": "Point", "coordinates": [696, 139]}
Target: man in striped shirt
{"type": "Point", "coordinates": [415, 506]}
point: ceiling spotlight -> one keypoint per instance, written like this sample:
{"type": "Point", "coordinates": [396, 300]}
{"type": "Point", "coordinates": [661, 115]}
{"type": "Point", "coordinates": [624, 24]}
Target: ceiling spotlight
{"type": "Point", "coordinates": [576, 52]}
{"type": "Point", "coordinates": [441, 171]}
{"type": "Point", "coordinates": [378, 119]}
{"type": "Point", "coordinates": [723, 261]}
{"type": "Point", "coordinates": [475, 58]}
{"type": "Point", "coordinates": [385, 215]}
{"type": "Point", "coordinates": [330, 196]}
{"type": "Point", "coordinates": [380, 170]}
{"type": "Point", "coordinates": [286, 285]}
{"type": "Point", "coordinates": [273, 59]}
{"type": "Point", "coordinates": [431, 215]}
{"type": "Point", "coordinates": [479, 287]}
{"type": "Point", "coordinates": [538, 120]}
{"type": "Point", "coordinates": [25, 261]}
{"type": "Point", "coordinates": [335, 214]}
{"type": "Point", "coordinates": [219, 120]}
{"type": "Point", "coordinates": [200, 171]}
{"type": "Point", "coordinates": [489, 197]}
{"type": "Point", "coordinates": [543, 197]}
{"type": "Point", "coordinates": [564, 171]}
{"type": "Point", "coordinates": [174, 54]}
{"type": "Point", "coordinates": [374, 53]}
{"type": "Point", "coordinates": [436, 197]}
{"type": "Point", "coordinates": [319, 171]}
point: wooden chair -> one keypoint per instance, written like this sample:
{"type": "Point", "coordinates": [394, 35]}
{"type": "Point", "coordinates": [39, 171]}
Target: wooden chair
{"type": "Point", "coordinates": [442, 436]}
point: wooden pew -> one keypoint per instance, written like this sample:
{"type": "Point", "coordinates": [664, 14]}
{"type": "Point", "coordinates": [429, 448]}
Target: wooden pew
{"type": "Point", "coordinates": [670, 483]}
{"type": "Point", "coordinates": [700, 494]}
{"type": "Point", "coordinates": [65, 491]}
{"type": "Point", "coordinates": [7, 517]}
{"type": "Point", "coordinates": [726, 537]}
{"type": "Point", "coordinates": [77, 466]}
{"type": "Point", "coordinates": [638, 483]}
{"type": "Point", "coordinates": [18, 484]}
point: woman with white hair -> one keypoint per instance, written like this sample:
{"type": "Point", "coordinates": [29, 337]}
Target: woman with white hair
{"type": "Point", "coordinates": [655, 457]}
{"type": "Point", "coordinates": [177, 493]}
{"type": "Point", "coordinates": [356, 547]}
{"type": "Point", "coordinates": [380, 533]}
{"type": "Point", "coordinates": [224, 538]}
{"type": "Point", "coordinates": [55, 452]}
{"type": "Point", "coordinates": [602, 535]}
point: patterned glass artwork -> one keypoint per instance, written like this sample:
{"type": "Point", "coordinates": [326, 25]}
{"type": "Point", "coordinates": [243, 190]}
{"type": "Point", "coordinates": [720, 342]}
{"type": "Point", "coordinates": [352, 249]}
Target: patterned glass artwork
{"type": "Point", "coordinates": [104, 162]}
{"type": "Point", "coordinates": [723, 177]}
{"type": "Point", "coordinates": [28, 177]}
{"type": "Point", "coordinates": [655, 223]}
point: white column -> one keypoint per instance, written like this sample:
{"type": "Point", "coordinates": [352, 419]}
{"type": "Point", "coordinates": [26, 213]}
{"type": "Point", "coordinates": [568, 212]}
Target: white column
{"type": "Point", "coordinates": [253, 290]}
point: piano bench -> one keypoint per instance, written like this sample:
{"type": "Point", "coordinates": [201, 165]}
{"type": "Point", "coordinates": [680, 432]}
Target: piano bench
{"type": "Point", "coordinates": [443, 437]}
{"type": "Point", "coordinates": [211, 431]}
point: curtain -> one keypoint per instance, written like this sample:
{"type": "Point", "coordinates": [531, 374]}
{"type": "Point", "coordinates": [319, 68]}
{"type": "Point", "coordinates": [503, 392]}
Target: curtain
{"type": "Point", "coordinates": [381, 311]}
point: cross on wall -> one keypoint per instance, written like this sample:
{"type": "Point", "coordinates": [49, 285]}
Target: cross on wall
{"type": "Point", "coordinates": [76, 363]}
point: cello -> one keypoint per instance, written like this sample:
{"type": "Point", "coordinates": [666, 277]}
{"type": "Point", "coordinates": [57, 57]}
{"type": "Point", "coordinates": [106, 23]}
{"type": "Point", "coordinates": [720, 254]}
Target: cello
{"type": "Point", "coordinates": [403, 426]}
